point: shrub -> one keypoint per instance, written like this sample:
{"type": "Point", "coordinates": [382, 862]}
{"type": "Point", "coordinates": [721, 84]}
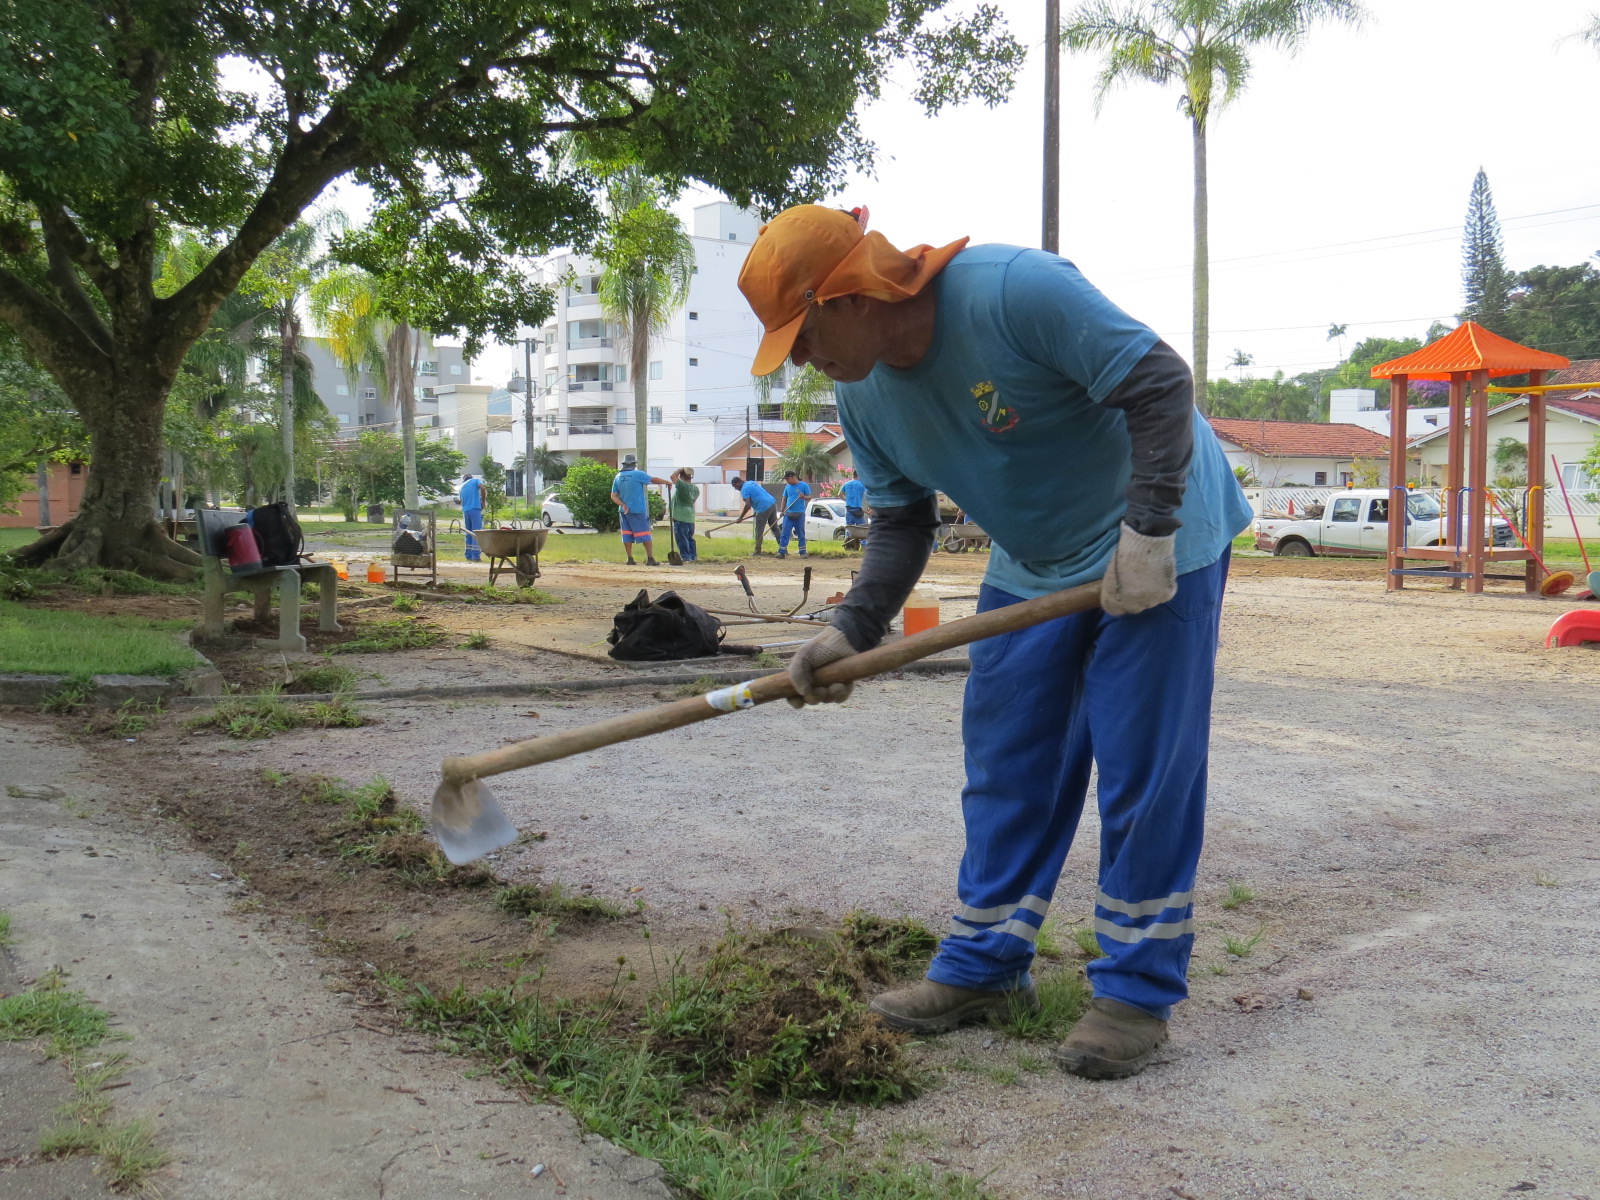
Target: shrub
{"type": "Point", "coordinates": [587, 492]}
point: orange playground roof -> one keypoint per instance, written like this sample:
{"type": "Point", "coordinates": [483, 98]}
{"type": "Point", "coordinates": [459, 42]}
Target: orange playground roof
{"type": "Point", "coordinates": [1470, 347]}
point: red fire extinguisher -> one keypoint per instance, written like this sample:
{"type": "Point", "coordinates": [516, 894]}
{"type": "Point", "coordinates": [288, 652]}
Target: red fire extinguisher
{"type": "Point", "coordinates": [243, 551]}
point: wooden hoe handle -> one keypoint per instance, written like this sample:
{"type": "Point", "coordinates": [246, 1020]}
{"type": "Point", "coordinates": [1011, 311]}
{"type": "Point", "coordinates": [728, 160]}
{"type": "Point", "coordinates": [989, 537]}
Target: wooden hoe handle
{"type": "Point", "coordinates": [876, 661]}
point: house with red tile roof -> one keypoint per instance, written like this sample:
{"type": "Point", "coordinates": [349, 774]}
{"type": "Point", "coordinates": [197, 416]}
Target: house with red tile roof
{"type": "Point", "coordinates": [766, 446]}
{"type": "Point", "coordinates": [1300, 453]}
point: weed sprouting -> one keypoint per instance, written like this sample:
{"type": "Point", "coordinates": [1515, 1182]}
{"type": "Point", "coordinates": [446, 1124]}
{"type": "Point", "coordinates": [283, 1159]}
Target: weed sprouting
{"type": "Point", "coordinates": [1238, 894]}
{"type": "Point", "coordinates": [323, 676]}
{"type": "Point", "coordinates": [476, 641]}
{"type": "Point", "coordinates": [273, 778]}
{"type": "Point", "coordinates": [1242, 947]}
{"type": "Point", "coordinates": [555, 902]}
{"type": "Point", "coordinates": [5, 930]}
{"type": "Point", "coordinates": [474, 594]}
{"type": "Point", "coordinates": [402, 633]}
{"type": "Point", "coordinates": [337, 713]}
{"type": "Point", "coordinates": [1546, 879]}
{"type": "Point", "coordinates": [66, 1019]}
{"type": "Point", "coordinates": [697, 687]}
{"type": "Point", "coordinates": [1047, 942]}
{"type": "Point", "coordinates": [75, 692]}
{"type": "Point", "coordinates": [133, 718]}
{"type": "Point", "coordinates": [767, 661]}
{"type": "Point", "coordinates": [1063, 997]}
{"type": "Point", "coordinates": [404, 603]}
{"type": "Point", "coordinates": [1088, 942]}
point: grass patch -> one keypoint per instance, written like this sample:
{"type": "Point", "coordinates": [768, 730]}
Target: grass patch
{"type": "Point", "coordinates": [263, 716]}
{"type": "Point", "coordinates": [401, 633]}
{"type": "Point", "coordinates": [607, 547]}
{"type": "Point", "coordinates": [65, 1020]}
{"type": "Point", "coordinates": [29, 583]}
{"type": "Point", "coordinates": [469, 593]}
{"type": "Point", "coordinates": [1243, 947]}
{"type": "Point", "coordinates": [404, 603]}
{"type": "Point", "coordinates": [1063, 998]}
{"type": "Point", "coordinates": [1047, 943]}
{"type": "Point", "coordinates": [128, 1153]}
{"type": "Point", "coordinates": [767, 661]}
{"type": "Point", "coordinates": [1088, 942]}
{"type": "Point", "coordinates": [476, 641]}
{"type": "Point", "coordinates": [697, 687]}
{"type": "Point", "coordinates": [323, 676]}
{"type": "Point", "coordinates": [1238, 894]}
{"type": "Point", "coordinates": [553, 901]}
{"type": "Point", "coordinates": [888, 947]}
{"type": "Point", "coordinates": [75, 691]}
{"type": "Point", "coordinates": [5, 930]}
{"type": "Point", "coordinates": [52, 641]}
{"type": "Point", "coordinates": [381, 832]}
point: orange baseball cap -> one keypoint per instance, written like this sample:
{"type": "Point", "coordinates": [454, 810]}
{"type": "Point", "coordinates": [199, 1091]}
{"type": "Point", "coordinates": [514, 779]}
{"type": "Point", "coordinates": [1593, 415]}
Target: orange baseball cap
{"type": "Point", "coordinates": [810, 254]}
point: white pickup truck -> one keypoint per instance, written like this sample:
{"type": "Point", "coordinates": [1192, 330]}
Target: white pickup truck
{"type": "Point", "coordinates": [1356, 523]}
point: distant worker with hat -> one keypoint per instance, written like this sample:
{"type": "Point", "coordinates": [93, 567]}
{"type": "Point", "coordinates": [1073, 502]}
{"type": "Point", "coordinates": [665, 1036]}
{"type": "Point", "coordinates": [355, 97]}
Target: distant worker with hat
{"type": "Point", "coordinates": [999, 376]}
{"type": "Point", "coordinates": [685, 493]}
{"type": "Point", "coordinates": [759, 505]}
{"type": "Point", "coordinates": [633, 508]}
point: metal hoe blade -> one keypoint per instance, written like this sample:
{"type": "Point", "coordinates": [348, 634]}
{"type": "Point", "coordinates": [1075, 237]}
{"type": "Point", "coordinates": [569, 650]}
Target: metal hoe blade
{"type": "Point", "coordinates": [468, 821]}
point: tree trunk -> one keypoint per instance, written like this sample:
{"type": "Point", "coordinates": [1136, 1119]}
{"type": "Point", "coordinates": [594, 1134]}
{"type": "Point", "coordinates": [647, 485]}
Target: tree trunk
{"type": "Point", "coordinates": [42, 483]}
{"type": "Point", "coordinates": [639, 339]}
{"type": "Point", "coordinates": [289, 337]}
{"type": "Point", "coordinates": [1202, 268]}
{"type": "Point", "coordinates": [402, 378]}
{"type": "Point", "coordinates": [116, 525]}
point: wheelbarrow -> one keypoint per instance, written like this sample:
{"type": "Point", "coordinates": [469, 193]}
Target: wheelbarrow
{"type": "Point", "coordinates": [958, 538]}
{"type": "Point", "coordinates": [512, 550]}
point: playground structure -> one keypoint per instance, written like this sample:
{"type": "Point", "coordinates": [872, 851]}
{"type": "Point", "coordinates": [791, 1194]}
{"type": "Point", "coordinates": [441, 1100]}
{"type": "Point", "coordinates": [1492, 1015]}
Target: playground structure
{"type": "Point", "coordinates": [1467, 358]}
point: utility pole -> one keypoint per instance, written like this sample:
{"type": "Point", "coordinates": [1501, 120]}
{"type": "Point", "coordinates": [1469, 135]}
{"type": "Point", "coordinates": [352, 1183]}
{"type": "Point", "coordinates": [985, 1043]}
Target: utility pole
{"type": "Point", "coordinates": [528, 344]}
{"type": "Point", "coordinates": [1050, 238]}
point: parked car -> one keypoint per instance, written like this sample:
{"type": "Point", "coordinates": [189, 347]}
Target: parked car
{"type": "Point", "coordinates": [554, 511]}
{"type": "Point", "coordinates": [1355, 523]}
{"type": "Point", "coordinates": [825, 520]}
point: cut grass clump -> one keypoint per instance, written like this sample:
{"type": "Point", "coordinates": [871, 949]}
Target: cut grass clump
{"type": "Point", "coordinates": [40, 641]}
{"type": "Point", "coordinates": [1238, 894]}
{"type": "Point", "coordinates": [471, 594]}
{"type": "Point", "coordinates": [555, 902]}
{"type": "Point", "coordinates": [1064, 996]}
{"type": "Point", "coordinates": [324, 676]}
{"type": "Point", "coordinates": [262, 716]}
{"type": "Point", "coordinates": [697, 687]}
{"type": "Point", "coordinates": [381, 832]}
{"type": "Point", "coordinates": [402, 633]}
{"type": "Point", "coordinates": [888, 947]}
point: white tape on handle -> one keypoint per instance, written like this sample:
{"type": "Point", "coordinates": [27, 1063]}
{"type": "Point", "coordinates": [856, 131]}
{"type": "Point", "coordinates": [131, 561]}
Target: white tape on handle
{"type": "Point", "coordinates": [730, 698]}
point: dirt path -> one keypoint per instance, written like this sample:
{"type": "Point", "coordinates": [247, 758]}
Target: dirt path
{"type": "Point", "coordinates": [266, 1074]}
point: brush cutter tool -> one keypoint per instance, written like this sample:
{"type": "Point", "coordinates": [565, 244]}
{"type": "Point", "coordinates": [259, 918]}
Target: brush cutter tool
{"type": "Point", "coordinates": [470, 823]}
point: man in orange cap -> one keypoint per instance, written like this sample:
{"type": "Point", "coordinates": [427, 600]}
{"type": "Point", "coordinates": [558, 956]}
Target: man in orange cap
{"type": "Point", "coordinates": [1065, 428]}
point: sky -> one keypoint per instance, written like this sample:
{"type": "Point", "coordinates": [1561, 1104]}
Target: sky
{"type": "Point", "coordinates": [1338, 180]}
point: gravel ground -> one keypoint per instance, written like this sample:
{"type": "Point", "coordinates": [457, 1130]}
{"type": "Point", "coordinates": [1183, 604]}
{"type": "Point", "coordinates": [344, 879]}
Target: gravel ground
{"type": "Point", "coordinates": [1402, 780]}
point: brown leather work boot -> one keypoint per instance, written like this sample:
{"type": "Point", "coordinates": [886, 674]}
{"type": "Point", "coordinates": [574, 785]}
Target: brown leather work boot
{"type": "Point", "coordinates": [930, 1007]}
{"type": "Point", "coordinates": [1111, 1041]}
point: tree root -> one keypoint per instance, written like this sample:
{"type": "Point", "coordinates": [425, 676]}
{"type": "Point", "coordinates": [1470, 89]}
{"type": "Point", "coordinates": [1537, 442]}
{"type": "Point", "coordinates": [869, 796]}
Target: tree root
{"type": "Point", "coordinates": [75, 546]}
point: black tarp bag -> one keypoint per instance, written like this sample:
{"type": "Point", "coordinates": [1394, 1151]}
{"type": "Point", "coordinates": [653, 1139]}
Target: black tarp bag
{"type": "Point", "coordinates": [664, 628]}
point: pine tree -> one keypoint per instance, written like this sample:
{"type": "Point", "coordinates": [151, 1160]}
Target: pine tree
{"type": "Point", "coordinates": [1484, 279]}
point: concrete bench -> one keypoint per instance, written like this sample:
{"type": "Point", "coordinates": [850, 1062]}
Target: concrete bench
{"type": "Point", "coordinates": [212, 524]}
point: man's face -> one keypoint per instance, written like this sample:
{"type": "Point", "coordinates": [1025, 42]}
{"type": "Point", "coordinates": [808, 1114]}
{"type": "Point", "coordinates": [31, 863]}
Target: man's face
{"type": "Point", "coordinates": [840, 339]}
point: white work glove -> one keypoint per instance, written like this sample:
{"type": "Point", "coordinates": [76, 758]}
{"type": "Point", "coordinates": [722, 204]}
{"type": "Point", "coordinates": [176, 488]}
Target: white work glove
{"type": "Point", "coordinates": [1143, 573]}
{"type": "Point", "coordinates": [828, 646]}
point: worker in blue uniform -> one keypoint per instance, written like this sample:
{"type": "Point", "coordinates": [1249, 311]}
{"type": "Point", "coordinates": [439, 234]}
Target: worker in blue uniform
{"type": "Point", "coordinates": [471, 494]}
{"type": "Point", "coordinates": [999, 376]}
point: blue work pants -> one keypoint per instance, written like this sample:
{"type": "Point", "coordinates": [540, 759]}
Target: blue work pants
{"type": "Point", "coordinates": [795, 524]}
{"type": "Point", "coordinates": [472, 518]}
{"type": "Point", "coordinates": [683, 534]}
{"type": "Point", "coordinates": [1130, 696]}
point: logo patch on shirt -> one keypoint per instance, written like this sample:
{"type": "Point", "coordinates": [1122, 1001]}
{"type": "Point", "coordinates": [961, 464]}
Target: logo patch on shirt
{"type": "Point", "coordinates": [997, 415]}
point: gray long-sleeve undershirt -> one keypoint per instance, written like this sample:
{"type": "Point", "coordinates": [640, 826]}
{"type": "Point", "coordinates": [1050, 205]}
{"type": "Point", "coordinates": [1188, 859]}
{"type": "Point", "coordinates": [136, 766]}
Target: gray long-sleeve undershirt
{"type": "Point", "coordinates": [1157, 401]}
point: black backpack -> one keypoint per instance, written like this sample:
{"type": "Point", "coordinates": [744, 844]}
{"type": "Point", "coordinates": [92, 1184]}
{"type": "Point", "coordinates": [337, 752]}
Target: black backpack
{"type": "Point", "coordinates": [282, 543]}
{"type": "Point", "coordinates": [668, 627]}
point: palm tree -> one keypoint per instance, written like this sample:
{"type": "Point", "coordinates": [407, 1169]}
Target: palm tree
{"type": "Point", "coordinates": [1203, 47]}
{"type": "Point", "coordinates": [1591, 31]}
{"type": "Point", "coordinates": [648, 262]}
{"type": "Point", "coordinates": [807, 392]}
{"type": "Point", "coordinates": [347, 304]}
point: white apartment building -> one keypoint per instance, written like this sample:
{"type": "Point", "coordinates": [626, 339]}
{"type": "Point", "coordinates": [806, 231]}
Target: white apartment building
{"type": "Point", "coordinates": [699, 368]}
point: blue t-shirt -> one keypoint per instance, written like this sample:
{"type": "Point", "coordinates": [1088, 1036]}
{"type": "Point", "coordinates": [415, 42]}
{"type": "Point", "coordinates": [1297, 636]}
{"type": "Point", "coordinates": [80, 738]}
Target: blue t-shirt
{"type": "Point", "coordinates": [760, 499]}
{"type": "Point", "coordinates": [630, 485]}
{"type": "Point", "coordinates": [794, 498]}
{"type": "Point", "coordinates": [855, 492]}
{"type": "Point", "coordinates": [472, 493]}
{"type": "Point", "coordinates": [1004, 415]}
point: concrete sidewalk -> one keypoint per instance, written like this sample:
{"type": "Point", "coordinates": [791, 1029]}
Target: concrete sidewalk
{"type": "Point", "coordinates": [256, 1067]}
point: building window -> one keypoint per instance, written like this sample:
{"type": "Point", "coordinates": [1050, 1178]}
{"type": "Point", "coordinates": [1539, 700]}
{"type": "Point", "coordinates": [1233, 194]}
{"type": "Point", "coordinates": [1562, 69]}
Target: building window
{"type": "Point", "coordinates": [1320, 478]}
{"type": "Point", "coordinates": [75, 469]}
{"type": "Point", "coordinates": [733, 237]}
{"type": "Point", "coordinates": [1576, 478]}
{"type": "Point", "coordinates": [1346, 478]}
{"type": "Point", "coordinates": [342, 390]}
{"type": "Point", "coordinates": [622, 416]}
{"type": "Point", "coordinates": [655, 415]}
{"type": "Point", "coordinates": [455, 368]}
{"type": "Point", "coordinates": [424, 393]}
{"type": "Point", "coordinates": [694, 316]}
{"type": "Point", "coordinates": [622, 373]}
{"type": "Point", "coordinates": [427, 368]}
{"type": "Point", "coordinates": [549, 379]}
{"type": "Point", "coordinates": [369, 393]}
{"type": "Point", "coordinates": [694, 362]}
{"type": "Point", "coordinates": [694, 408]}
{"type": "Point", "coordinates": [655, 370]}
{"type": "Point", "coordinates": [344, 418]}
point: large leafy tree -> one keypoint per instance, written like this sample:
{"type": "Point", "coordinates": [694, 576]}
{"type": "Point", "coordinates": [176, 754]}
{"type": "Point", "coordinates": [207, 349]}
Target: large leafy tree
{"type": "Point", "coordinates": [1201, 47]}
{"type": "Point", "coordinates": [123, 121]}
{"type": "Point", "coordinates": [648, 263]}
{"type": "Point", "coordinates": [1557, 309]}
{"type": "Point", "coordinates": [37, 424]}
{"type": "Point", "coordinates": [1485, 281]}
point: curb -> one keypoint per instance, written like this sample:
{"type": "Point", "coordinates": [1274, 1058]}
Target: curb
{"type": "Point", "coordinates": [927, 666]}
